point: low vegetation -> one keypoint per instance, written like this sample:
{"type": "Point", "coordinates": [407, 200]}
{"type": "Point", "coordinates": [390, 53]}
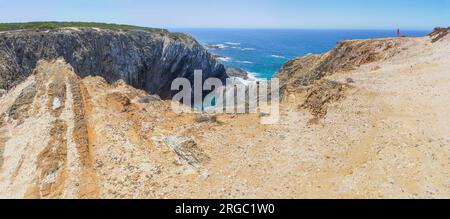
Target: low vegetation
{"type": "Point", "coordinates": [55, 25]}
{"type": "Point", "coordinates": [51, 25]}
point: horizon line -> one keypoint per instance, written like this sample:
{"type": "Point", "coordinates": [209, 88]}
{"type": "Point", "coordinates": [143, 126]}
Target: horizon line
{"type": "Point", "coordinates": [246, 28]}
{"type": "Point", "coordinates": [299, 28]}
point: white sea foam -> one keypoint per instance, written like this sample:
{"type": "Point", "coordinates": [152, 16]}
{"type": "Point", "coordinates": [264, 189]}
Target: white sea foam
{"type": "Point", "coordinates": [224, 59]}
{"type": "Point", "coordinates": [253, 76]}
{"type": "Point", "coordinates": [221, 46]}
{"type": "Point", "coordinates": [248, 49]}
{"type": "Point", "coordinates": [278, 56]}
{"type": "Point", "coordinates": [216, 46]}
{"type": "Point", "coordinates": [250, 79]}
{"type": "Point", "coordinates": [233, 44]}
{"type": "Point", "coordinates": [244, 62]}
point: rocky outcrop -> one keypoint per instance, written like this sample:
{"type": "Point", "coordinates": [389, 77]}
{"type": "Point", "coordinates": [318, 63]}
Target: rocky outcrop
{"type": "Point", "coordinates": [347, 55]}
{"type": "Point", "coordinates": [63, 136]}
{"type": "Point", "coordinates": [145, 59]}
{"type": "Point", "coordinates": [185, 148]}
{"type": "Point", "coordinates": [319, 96]}
{"type": "Point", "coordinates": [237, 72]}
{"type": "Point", "coordinates": [68, 121]}
{"type": "Point", "coordinates": [439, 33]}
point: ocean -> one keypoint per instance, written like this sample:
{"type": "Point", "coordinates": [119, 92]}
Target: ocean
{"type": "Point", "coordinates": [262, 52]}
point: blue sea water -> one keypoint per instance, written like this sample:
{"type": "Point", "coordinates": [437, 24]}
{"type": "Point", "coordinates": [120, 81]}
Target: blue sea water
{"type": "Point", "coordinates": [262, 52]}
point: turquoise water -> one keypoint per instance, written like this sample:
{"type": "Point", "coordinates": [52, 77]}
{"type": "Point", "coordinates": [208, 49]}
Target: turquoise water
{"type": "Point", "coordinates": [263, 52]}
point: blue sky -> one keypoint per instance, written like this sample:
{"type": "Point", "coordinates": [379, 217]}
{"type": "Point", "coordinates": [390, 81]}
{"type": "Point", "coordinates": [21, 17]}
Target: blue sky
{"type": "Point", "coordinates": [316, 14]}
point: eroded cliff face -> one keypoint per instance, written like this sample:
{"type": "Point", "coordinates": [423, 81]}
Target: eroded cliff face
{"type": "Point", "coordinates": [148, 60]}
{"type": "Point", "coordinates": [346, 56]}
{"type": "Point", "coordinates": [63, 136]}
{"type": "Point", "coordinates": [439, 34]}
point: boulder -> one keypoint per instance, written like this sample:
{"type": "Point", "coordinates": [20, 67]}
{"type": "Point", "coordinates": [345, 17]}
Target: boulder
{"type": "Point", "coordinates": [149, 99]}
{"type": "Point", "coordinates": [237, 72]}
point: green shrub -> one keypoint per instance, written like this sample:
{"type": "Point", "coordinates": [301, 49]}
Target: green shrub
{"type": "Point", "coordinates": [54, 25]}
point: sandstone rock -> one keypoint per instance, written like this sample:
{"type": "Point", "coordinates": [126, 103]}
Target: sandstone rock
{"type": "Point", "coordinates": [19, 109]}
{"type": "Point", "coordinates": [205, 118]}
{"type": "Point", "coordinates": [185, 148]}
{"type": "Point", "coordinates": [439, 33]}
{"type": "Point", "coordinates": [321, 94]}
{"type": "Point", "coordinates": [347, 55]}
{"type": "Point", "coordinates": [118, 101]}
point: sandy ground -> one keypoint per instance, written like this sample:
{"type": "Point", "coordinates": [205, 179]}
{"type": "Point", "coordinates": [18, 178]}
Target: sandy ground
{"type": "Point", "coordinates": [389, 137]}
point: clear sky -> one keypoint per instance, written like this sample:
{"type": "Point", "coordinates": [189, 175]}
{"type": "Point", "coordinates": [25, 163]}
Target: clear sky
{"type": "Point", "coordinates": [317, 14]}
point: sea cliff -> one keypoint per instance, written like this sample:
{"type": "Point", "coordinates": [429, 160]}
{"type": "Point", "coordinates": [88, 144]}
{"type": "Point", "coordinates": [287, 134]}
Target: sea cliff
{"type": "Point", "coordinates": [147, 59]}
